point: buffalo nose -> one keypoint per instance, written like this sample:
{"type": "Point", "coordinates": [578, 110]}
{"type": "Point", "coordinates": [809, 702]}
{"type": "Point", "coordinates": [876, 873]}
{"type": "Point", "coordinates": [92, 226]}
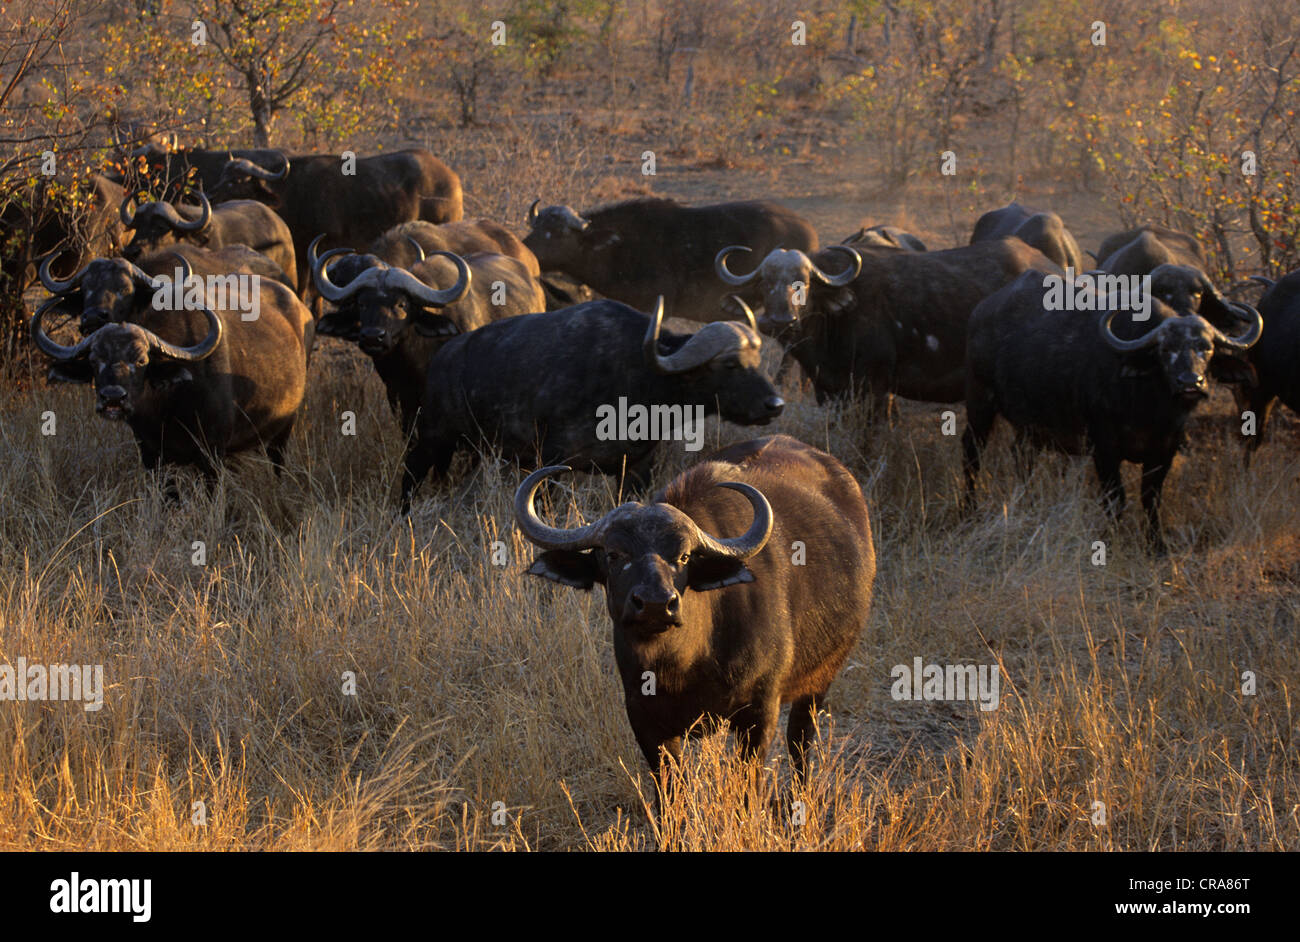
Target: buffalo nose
{"type": "Point", "coordinates": [112, 394]}
{"type": "Point", "coordinates": [774, 404]}
{"type": "Point", "coordinates": [373, 333]}
{"type": "Point", "coordinates": [660, 608]}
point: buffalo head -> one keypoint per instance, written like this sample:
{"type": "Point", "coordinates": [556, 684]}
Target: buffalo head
{"type": "Point", "coordinates": [558, 235]}
{"type": "Point", "coordinates": [377, 303]}
{"type": "Point", "coordinates": [106, 290]}
{"type": "Point", "coordinates": [720, 361]}
{"type": "Point", "coordinates": [1184, 346]}
{"type": "Point", "coordinates": [241, 179]}
{"type": "Point", "coordinates": [127, 363]}
{"type": "Point", "coordinates": [787, 277]}
{"type": "Point", "coordinates": [159, 224]}
{"type": "Point", "coordinates": [645, 555]}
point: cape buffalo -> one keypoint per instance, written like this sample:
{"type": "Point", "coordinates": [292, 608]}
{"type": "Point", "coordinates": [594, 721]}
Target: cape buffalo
{"type": "Point", "coordinates": [314, 196]}
{"type": "Point", "coordinates": [1276, 357]}
{"type": "Point", "coordinates": [194, 385]}
{"type": "Point", "coordinates": [875, 321]}
{"type": "Point", "coordinates": [1043, 231]}
{"type": "Point", "coordinates": [540, 384]}
{"type": "Point", "coordinates": [640, 249]}
{"type": "Point", "coordinates": [400, 318]}
{"type": "Point", "coordinates": [1148, 246]}
{"type": "Point", "coordinates": [1067, 379]}
{"type": "Point", "coordinates": [728, 627]}
{"type": "Point", "coordinates": [158, 226]}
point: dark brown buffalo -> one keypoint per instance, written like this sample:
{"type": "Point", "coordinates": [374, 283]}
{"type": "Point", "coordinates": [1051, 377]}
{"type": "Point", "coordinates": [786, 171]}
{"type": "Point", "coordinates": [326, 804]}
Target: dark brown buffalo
{"type": "Point", "coordinates": [401, 317]}
{"type": "Point", "coordinates": [703, 595]}
{"type": "Point", "coordinates": [1043, 231]}
{"type": "Point", "coordinates": [534, 385]}
{"type": "Point", "coordinates": [195, 385]}
{"type": "Point", "coordinates": [637, 250]}
{"type": "Point", "coordinates": [1176, 268]}
{"type": "Point", "coordinates": [158, 226]}
{"type": "Point", "coordinates": [315, 197]}
{"type": "Point", "coordinates": [1069, 380]}
{"type": "Point", "coordinates": [408, 244]}
{"type": "Point", "coordinates": [177, 171]}
{"type": "Point", "coordinates": [875, 321]}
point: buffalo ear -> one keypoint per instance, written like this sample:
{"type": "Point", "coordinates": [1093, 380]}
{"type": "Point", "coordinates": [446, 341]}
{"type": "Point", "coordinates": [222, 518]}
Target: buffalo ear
{"type": "Point", "coordinates": [1227, 368]}
{"type": "Point", "coordinates": [716, 572]}
{"type": "Point", "coordinates": [435, 325]}
{"type": "Point", "coordinates": [165, 374]}
{"type": "Point", "coordinates": [335, 324]}
{"type": "Point", "coordinates": [70, 371]}
{"type": "Point", "coordinates": [567, 567]}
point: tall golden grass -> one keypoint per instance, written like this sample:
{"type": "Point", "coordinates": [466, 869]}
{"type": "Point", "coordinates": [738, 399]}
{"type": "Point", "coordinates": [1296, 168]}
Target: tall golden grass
{"type": "Point", "coordinates": [480, 690]}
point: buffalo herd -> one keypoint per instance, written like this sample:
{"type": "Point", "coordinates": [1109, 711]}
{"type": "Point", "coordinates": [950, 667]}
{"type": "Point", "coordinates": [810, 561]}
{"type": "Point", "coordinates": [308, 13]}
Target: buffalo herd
{"type": "Point", "coordinates": [476, 343]}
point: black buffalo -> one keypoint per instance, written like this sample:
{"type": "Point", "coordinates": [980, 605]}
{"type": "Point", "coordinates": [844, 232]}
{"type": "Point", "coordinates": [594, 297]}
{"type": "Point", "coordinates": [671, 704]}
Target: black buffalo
{"type": "Point", "coordinates": [1067, 379]}
{"type": "Point", "coordinates": [885, 236]}
{"type": "Point", "coordinates": [1276, 357]}
{"type": "Point", "coordinates": [536, 385]}
{"type": "Point", "coordinates": [1044, 231]}
{"type": "Point", "coordinates": [876, 321]}
{"type": "Point", "coordinates": [729, 627]}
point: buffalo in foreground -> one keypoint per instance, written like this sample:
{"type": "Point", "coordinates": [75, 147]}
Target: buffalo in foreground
{"type": "Point", "coordinates": [637, 250]}
{"type": "Point", "coordinates": [538, 385]}
{"type": "Point", "coordinates": [729, 626]}
{"type": "Point", "coordinates": [1070, 380]}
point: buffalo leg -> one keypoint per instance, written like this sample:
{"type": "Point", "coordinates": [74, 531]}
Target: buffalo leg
{"type": "Point", "coordinates": [425, 454]}
{"type": "Point", "coordinates": [1107, 464]}
{"type": "Point", "coordinates": [980, 415]}
{"type": "Point", "coordinates": [1153, 479]}
{"type": "Point", "coordinates": [801, 731]}
{"type": "Point", "coordinates": [275, 450]}
{"type": "Point", "coordinates": [1262, 405]}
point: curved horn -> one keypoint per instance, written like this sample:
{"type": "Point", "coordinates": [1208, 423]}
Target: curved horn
{"type": "Point", "coordinates": [1251, 336]}
{"type": "Point", "coordinates": [1125, 346]}
{"type": "Point", "coordinates": [710, 341]}
{"type": "Point", "coordinates": [419, 249]}
{"type": "Point", "coordinates": [55, 286]}
{"type": "Point", "coordinates": [720, 267]}
{"type": "Point", "coordinates": [753, 539]}
{"type": "Point", "coordinates": [532, 212]}
{"type": "Point", "coordinates": [844, 277]}
{"type": "Point", "coordinates": [320, 277]}
{"type": "Point", "coordinates": [52, 348]}
{"type": "Point", "coordinates": [124, 212]}
{"type": "Point", "coordinates": [248, 168]}
{"type": "Point", "coordinates": [747, 311]}
{"type": "Point", "coordinates": [1266, 282]}
{"type": "Point", "coordinates": [184, 225]}
{"type": "Point", "coordinates": [199, 351]}
{"type": "Point", "coordinates": [543, 535]}
{"type": "Point", "coordinates": [403, 280]}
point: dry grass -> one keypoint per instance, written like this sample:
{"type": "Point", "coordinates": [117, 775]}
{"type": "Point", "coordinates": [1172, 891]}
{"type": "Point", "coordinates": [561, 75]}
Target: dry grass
{"type": "Point", "coordinates": [477, 685]}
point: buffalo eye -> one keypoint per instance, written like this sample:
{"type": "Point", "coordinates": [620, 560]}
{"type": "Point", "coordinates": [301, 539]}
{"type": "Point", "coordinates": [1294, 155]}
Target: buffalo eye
{"type": "Point", "coordinates": [732, 363]}
{"type": "Point", "coordinates": [613, 556]}
{"type": "Point", "coordinates": [684, 559]}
